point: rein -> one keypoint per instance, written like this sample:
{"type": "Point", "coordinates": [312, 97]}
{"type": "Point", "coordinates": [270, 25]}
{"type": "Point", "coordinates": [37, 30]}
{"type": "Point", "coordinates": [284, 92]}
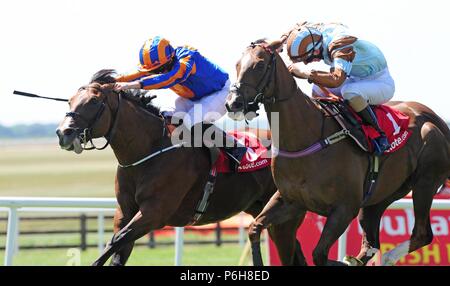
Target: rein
{"type": "Point", "coordinates": [157, 153]}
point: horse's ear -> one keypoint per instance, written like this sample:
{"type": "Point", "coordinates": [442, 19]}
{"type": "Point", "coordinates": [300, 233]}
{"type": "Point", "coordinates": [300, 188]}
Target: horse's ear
{"type": "Point", "coordinates": [276, 45]}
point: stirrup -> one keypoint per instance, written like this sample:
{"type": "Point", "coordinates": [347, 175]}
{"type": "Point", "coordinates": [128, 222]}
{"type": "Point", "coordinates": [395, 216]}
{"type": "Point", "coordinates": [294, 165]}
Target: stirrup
{"type": "Point", "coordinates": [352, 261]}
{"type": "Point", "coordinates": [236, 154]}
{"type": "Point", "coordinates": [380, 145]}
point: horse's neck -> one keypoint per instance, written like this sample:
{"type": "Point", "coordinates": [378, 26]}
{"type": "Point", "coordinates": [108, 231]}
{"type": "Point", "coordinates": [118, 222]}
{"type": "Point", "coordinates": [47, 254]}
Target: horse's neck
{"type": "Point", "coordinates": [136, 133]}
{"type": "Point", "coordinates": [297, 119]}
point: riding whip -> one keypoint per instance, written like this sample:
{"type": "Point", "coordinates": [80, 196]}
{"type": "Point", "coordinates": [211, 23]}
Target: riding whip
{"type": "Point", "coordinates": [38, 96]}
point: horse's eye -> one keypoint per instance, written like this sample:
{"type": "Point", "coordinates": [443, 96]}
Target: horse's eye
{"type": "Point", "coordinates": [94, 100]}
{"type": "Point", "coordinates": [259, 66]}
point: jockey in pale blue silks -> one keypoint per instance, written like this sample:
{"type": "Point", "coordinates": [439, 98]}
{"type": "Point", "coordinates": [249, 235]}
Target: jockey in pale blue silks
{"type": "Point", "coordinates": [358, 69]}
{"type": "Point", "coordinates": [196, 80]}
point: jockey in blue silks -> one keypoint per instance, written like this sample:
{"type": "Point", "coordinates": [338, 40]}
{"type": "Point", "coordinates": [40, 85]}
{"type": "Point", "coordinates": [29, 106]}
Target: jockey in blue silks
{"type": "Point", "coordinates": [195, 79]}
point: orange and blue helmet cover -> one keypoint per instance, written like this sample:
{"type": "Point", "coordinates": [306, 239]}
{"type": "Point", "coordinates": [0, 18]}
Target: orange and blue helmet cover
{"type": "Point", "coordinates": [154, 53]}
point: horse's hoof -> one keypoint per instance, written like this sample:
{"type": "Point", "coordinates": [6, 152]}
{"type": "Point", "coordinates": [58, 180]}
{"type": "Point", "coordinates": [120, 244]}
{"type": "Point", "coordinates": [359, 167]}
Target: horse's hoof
{"type": "Point", "coordinates": [352, 261]}
{"type": "Point", "coordinates": [335, 263]}
{"type": "Point", "coordinates": [387, 260]}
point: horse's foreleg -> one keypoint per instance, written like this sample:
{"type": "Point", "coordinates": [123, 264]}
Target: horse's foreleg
{"type": "Point", "coordinates": [121, 218]}
{"type": "Point", "coordinates": [135, 229]}
{"type": "Point", "coordinates": [337, 223]}
{"type": "Point", "coordinates": [369, 218]}
{"type": "Point", "coordinates": [282, 218]}
{"type": "Point", "coordinates": [285, 239]}
{"type": "Point", "coordinates": [120, 257]}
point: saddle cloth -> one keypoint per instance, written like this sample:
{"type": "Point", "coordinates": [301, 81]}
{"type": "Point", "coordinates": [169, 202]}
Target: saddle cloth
{"type": "Point", "coordinates": [256, 157]}
{"type": "Point", "coordinates": [393, 122]}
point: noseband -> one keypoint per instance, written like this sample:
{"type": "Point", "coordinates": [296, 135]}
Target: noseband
{"type": "Point", "coordinates": [85, 135]}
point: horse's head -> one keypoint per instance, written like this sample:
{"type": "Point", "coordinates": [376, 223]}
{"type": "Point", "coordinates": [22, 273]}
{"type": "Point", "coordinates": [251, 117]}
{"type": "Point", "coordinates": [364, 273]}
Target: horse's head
{"type": "Point", "coordinates": [92, 110]}
{"type": "Point", "coordinates": [255, 79]}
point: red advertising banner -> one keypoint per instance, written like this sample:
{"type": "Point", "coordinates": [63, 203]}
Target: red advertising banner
{"type": "Point", "coordinates": [396, 227]}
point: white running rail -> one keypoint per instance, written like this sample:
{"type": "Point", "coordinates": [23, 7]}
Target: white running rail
{"type": "Point", "coordinates": [15, 205]}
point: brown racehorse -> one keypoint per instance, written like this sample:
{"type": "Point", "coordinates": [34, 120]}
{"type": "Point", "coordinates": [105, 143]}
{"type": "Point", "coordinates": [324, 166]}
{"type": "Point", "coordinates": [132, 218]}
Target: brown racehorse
{"type": "Point", "coordinates": [330, 182]}
{"type": "Point", "coordinates": [165, 189]}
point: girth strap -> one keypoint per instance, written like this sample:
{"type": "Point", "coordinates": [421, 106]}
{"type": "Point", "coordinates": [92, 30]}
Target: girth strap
{"type": "Point", "coordinates": [207, 191]}
{"type": "Point", "coordinates": [372, 176]}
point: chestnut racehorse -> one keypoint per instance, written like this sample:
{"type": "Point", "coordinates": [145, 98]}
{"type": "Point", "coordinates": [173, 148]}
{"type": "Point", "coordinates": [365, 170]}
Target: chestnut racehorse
{"type": "Point", "coordinates": [330, 182]}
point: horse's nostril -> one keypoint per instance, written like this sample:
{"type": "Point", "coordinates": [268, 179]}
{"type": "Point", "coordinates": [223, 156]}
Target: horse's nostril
{"type": "Point", "coordinates": [237, 105]}
{"type": "Point", "coordinates": [68, 131]}
{"type": "Point", "coordinates": [234, 106]}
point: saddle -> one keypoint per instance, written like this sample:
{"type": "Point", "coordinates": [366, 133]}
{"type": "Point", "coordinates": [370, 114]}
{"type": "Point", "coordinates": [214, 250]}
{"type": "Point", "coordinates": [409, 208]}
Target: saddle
{"type": "Point", "coordinates": [256, 157]}
{"type": "Point", "coordinates": [224, 158]}
{"type": "Point", "coordinates": [340, 110]}
{"type": "Point", "coordinates": [393, 122]}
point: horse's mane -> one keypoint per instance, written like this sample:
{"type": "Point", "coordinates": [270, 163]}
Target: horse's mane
{"type": "Point", "coordinates": [261, 41]}
{"type": "Point", "coordinates": [106, 76]}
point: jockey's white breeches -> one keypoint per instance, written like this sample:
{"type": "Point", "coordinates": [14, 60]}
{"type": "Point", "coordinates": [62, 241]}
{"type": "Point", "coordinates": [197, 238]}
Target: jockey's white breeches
{"type": "Point", "coordinates": [376, 89]}
{"type": "Point", "coordinates": [207, 109]}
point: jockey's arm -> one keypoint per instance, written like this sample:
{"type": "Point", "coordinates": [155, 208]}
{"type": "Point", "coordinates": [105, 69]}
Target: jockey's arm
{"type": "Point", "coordinates": [342, 65]}
{"type": "Point", "coordinates": [129, 81]}
{"type": "Point", "coordinates": [179, 73]}
{"type": "Point", "coordinates": [332, 79]}
{"type": "Point", "coordinates": [131, 76]}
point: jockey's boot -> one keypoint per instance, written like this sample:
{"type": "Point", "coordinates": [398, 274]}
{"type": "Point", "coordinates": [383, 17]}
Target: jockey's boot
{"type": "Point", "coordinates": [174, 125]}
{"type": "Point", "coordinates": [380, 143]}
{"type": "Point", "coordinates": [235, 153]}
{"type": "Point", "coordinates": [168, 122]}
{"type": "Point", "coordinates": [214, 137]}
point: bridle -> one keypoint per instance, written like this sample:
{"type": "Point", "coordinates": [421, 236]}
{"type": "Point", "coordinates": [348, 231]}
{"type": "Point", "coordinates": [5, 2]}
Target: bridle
{"type": "Point", "coordinates": [261, 88]}
{"type": "Point", "coordinates": [85, 135]}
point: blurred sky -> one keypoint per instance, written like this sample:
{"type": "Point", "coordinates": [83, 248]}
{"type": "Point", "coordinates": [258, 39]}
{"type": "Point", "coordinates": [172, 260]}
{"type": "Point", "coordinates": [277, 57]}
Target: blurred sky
{"type": "Point", "coordinates": [53, 47]}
